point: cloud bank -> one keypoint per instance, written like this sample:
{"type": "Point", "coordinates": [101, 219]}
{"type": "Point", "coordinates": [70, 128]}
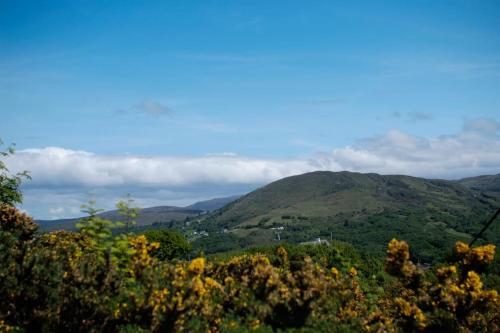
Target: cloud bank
{"type": "Point", "coordinates": [474, 150]}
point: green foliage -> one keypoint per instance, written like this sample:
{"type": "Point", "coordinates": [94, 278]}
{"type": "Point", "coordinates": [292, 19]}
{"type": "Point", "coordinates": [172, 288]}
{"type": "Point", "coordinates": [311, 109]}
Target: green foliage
{"type": "Point", "coordinates": [96, 228]}
{"type": "Point", "coordinates": [10, 193]}
{"type": "Point", "coordinates": [128, 212]}
{"type": "Point", "coordinates": [98, 233]}
{"type": "Point", "coordinates": [366, 210]}
{"type": "Point", "coordinates": [219, 242]}
{"type": "Point", "coordinates": [488, 183]}
{"type": "Point", "coordinates": [94, 281]}
{"type": "Point", "coordinates": [336, 254]}
{"type": "Point", "coordinates": [173, 245]}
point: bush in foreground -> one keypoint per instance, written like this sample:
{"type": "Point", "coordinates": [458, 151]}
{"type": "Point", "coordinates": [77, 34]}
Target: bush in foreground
{"type": "Point", "coordinates": [93, 281]}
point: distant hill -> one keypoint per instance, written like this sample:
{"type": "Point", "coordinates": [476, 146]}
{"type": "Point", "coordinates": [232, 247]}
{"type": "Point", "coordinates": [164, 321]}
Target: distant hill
{"type": "Point", "coordinates": [366, 210]}
{"type": "Point", "coordinates": [147, 216]}
{"type": "Point", "coordinates": [489, 183]}
{"type": "Point", "coordinates": [213, 204]}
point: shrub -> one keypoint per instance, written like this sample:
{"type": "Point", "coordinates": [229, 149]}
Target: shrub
{"type": "Point", "coordinates": [94, 281]}
{"type": "Point", "coordinates": [173, 245]}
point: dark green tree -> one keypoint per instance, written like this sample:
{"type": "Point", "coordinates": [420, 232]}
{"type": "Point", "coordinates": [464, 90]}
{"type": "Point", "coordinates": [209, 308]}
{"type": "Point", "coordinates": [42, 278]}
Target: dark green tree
{"type": "Point", "coordinates": [173, 245]}
{"type": "Point", "coordinates": [10, 184]}
{"type": "Point", "coordinates": [127, 211]}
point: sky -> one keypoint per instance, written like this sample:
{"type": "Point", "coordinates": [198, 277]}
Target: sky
{"type": "Point", "coordinates": [180, 101]}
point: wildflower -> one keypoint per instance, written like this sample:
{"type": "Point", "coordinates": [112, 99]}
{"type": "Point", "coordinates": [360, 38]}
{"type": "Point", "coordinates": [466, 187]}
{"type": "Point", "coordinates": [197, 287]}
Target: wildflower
{"type": "Point", "coordinates": [154, 246]}
{"type": "Point", "coordinates": [419, 317]}
{"type": "Point", "coordinates": [446, 272]}
{"type": "Point", "coordinates": [404, 306]}
{"type": "Point", "coordinates": [473, 281]}
{"type": "Point", "coordinates": [398, 250]}
{"type": "Point", "coordinates": [198, 287]}
{"type": "Point", "coordinates": [255, 324]}
{"type": "Point", "coordinates": [461, 248]}
{"type": "Point", "coordinates": [484, 254]}
{"type": "Point", "coordinates": [476, 257]}
{"type": "Point", "coordinates": [281, 252]}
{"type": "Point", "coordinates": [211, 283]}
{"type": "Point", "coordinates": [397, 255]}
{"type": "Point", "coordinates": [197, 266]}
{"type": "Point", "coordinates": [490, 296]}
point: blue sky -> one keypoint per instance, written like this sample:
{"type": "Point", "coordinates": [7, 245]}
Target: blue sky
{"type": "Point", "coordinates": [267, 83]}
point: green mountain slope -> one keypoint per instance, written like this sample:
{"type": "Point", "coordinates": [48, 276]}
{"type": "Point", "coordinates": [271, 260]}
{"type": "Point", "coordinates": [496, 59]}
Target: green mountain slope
{"type": "Point", "coordinates": [366, 210]}
{"type": "Point", "coordinates": [490, 183]}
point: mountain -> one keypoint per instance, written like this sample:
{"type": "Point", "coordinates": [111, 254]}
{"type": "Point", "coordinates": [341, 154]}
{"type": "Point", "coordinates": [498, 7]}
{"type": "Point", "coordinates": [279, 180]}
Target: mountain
{"type": "Point", "coordinates": [366, 210]}
{"type": "Point", "coordinates": [147, 216]}
{"type": "Point", "coordinates": [213, 204]}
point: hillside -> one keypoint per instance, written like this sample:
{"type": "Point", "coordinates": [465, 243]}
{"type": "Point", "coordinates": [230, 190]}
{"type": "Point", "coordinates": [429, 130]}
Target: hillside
{"type": "Point", "coordinates": [366, 210]}
{"type": "Point", "coordinates": [212, 204]}
{"type": "Point", "coordinates": [489, 183]}
{"type": "Point", "coordinates": [165, 215]}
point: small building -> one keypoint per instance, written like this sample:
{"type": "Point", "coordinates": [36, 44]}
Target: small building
{"type": "Point", "coordinates": [317, 241]}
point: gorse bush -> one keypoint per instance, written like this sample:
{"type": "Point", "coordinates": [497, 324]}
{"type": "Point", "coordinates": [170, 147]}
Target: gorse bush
{"type": "Point", "coordinates": [94, 281]}
{"type": "Point", "coordinates": [454, 301]}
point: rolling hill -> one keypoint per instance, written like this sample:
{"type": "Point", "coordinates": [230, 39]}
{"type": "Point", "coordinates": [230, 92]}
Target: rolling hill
{"type": "Point", "coordinates": [488, 184]}
{"type": "Point", "coordinates": [147, 216]}
{"type": "Point", "coordinates": [366, 210]}
{"type": "Point", "coordinates": [213, 204]}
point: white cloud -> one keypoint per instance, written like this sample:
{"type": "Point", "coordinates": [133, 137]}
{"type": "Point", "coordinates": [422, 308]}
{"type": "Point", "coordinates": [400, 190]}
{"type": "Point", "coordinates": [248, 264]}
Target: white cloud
{"type": "Point", "coordinates": [59, 166]}
{"type": "Point", "coordinates": [58, 210]}
{"type": "Point", "coordinates": [55, 213]}
{"type": "Point", "coordinates": [473, 151]}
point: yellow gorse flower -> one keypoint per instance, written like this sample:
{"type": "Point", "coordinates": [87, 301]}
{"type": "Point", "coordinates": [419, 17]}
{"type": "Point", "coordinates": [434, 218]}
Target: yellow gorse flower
{"type": "Point", "coordinates": [484, 253]}
{"type": "Point", "coordinates": [475, 257]}
{"type": "Point", "coordinates": [458, 293]}
{"type": "Point", "coordinates": [473, 281]}
{"type": "Point", "coordinates": [197, 266]}
{"type": "Point", "coordinates": [335, 272]}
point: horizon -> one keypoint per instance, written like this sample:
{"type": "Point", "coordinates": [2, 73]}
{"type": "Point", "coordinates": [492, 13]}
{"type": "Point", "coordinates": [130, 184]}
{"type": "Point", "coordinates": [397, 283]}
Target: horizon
{"type": "Point", "coordinates": [176, 103]}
